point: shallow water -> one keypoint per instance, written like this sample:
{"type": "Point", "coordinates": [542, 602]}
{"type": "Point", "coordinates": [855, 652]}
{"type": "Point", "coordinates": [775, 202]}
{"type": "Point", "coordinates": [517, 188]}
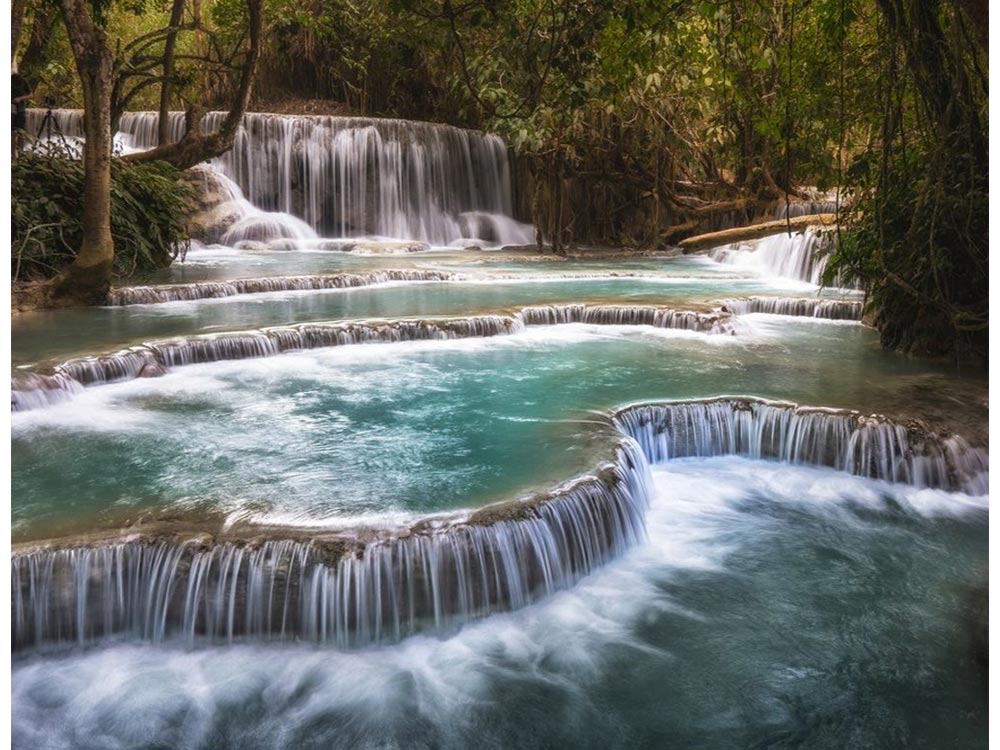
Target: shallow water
{"type": "Point", "coordinates": [771, 605]}
{"type": "Point", "coordinates": [299, 437]}
{"type": "Point", "coordinates": [218, 262]}
{"type": "Point", "coordinates": [60, 334]}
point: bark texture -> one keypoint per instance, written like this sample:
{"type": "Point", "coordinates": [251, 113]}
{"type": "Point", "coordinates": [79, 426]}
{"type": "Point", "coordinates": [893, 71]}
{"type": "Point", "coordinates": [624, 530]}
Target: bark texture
{"type": "Point", "coordinates": [755, 231]}
{"type": "Point", "coordinates": [88, 278]}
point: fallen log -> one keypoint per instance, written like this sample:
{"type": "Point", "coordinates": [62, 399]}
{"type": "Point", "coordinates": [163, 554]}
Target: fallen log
{"type": "Point", "coordinates": [755, 231]}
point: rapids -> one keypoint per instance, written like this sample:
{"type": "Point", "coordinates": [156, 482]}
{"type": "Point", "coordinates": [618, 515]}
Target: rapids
{"type": "Point", "coordinates": [853, 597]}
{"type": "Point", "coordinates": [530, 516]}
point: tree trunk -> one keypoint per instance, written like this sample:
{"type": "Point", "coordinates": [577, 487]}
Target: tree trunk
{"type": "Point", "coordinates": [163, 124]}
{"type": "Point", "coordinates": [16, 24]}
{"type": "Point", "coordinates": [755, 231]}
{"type": "Point", "coordinates": [88, 278]}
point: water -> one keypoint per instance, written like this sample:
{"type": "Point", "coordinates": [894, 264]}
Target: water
{"type": "Point", "coordinates": [444, 424]}
{"type": "Point", "coordinates": [769, 606]}
{"type": "Point", "coordinates": [301, 493]}
{"type": "Point", "coordinates": [46, 335]}
{"type": "Point", "coordinates": [802, 256]}
{"type": "Point", "coordinates": [352, 176]}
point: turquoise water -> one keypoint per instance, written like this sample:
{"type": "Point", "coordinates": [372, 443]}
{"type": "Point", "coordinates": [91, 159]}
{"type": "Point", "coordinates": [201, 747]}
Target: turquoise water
{"type": "Point", "coordinates": [43, 335]}
{"type": "Point", "coordinates": [771, 607]}
{"type": "Point", "coordinates": [298, 438]}
{"type": "Point", "coordinates": [219, 263]}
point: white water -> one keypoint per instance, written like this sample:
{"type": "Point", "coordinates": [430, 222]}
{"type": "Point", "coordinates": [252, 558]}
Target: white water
{"type": "Point", "coordinates": [810, 307]}
{"type": "Point", "coordinates": [32, 390]}
{"type": "Point", "coordinates": [860, 444]}
{"type": "Point", "coordinates": [341, 592]}
{"type": "Point", "coordinates": [444, 572]}
{"type": "Point", "coordinates": [353, 177]}
{"type": "Point", "coordinates": [803, 256]}
{"type": "Point", "coordinates": [554, 660]}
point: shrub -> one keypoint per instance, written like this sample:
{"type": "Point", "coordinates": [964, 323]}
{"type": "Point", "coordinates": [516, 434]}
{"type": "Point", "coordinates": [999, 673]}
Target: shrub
{"type": "Point", "coordinates": [148, 209]}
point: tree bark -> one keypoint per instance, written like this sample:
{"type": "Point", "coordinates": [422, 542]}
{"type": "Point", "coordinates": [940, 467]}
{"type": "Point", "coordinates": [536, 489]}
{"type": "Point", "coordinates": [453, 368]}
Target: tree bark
{"type": "Point", "coordinates": [755, 231]}
{"type": "Point", "coordinates": [88, 278]}
{"type": "Point", "coordinates": [163, 123]}
{"type": "Point", "coordinates": [16, 24]}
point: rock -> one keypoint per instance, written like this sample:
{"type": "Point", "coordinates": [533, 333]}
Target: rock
{"type": "Point", "coordinates": [213, 209]}
{"type": "Point", "coordinates": [152, 370]}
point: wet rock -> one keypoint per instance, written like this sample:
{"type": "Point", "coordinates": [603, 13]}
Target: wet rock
{"type": "Point", "coordinates": [152, 370]}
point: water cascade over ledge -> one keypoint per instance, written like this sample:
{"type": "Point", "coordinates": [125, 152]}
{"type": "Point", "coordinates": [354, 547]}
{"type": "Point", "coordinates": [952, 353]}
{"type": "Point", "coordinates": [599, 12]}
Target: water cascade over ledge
{"type": "Point", "coordinates": [628, 315]}
{"type": "Point", "coordinates": [146, 295]}
{"type": "Point", "coordinates": [866, 445]}
{"type": "Point", "coordinates": [34, 389]}
{"type": "Point", "coordinates": [162, 293]}
{"type": "Point", "coordinates": [342, 591]}
{"type": "Point", "coordinates": [348, 589]}
{"type": "Point", "coordinates": [355, 176]}
{"type": "Point", "coordinates": [803, 256]}
{"type": "Point", "coordinates": [808, 307]}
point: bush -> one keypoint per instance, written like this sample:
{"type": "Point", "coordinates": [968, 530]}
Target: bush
{"type": "Point", "coordinates": [148, 206]}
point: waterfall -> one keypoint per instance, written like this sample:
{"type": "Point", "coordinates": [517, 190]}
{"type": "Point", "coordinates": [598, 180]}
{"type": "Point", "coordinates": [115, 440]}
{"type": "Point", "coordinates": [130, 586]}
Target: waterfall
{"type": "Point", "coordinates": [355, 176]}
{"type": "Point", "coordinates": [803, 256]}
{"type": "Point", "coordinates": [32, 390]}
{"type": "Point", "coordinates": [809, 307]}
{"type": "Point", "coordinates": [865, 445]}
{"type": "Point", "coordinates": [145, 295]}
{"type": "Point", "coordinates": [628, 315]}
{"type": "Point", "coordinates": [805, 208]}
{"type": "Point", "coordinates": [342, 591]}
{"type": "Point", "coordinates": [356, 588]}
{"type": "Point", "coordinates": [217, 347]}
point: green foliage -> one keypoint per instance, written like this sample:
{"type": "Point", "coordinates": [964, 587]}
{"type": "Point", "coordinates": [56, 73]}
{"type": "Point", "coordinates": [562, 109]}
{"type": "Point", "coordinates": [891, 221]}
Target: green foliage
{"type": "Point", "coordinates": [918, 230]}
{"type": "Point", "coordinates": [147, 209]}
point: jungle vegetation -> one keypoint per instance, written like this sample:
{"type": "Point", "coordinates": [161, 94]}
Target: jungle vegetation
{"type": "Point", "coordinates": [639, 122]}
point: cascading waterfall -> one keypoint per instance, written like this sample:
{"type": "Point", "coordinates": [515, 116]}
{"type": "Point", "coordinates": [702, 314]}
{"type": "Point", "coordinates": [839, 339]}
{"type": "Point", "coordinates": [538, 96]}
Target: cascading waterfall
{"type": "Point", "coordinates": [865, 445]}
{"type": "Point", "coordinates": [146, 295]}
{"type": "Point", "coordinates": [802, 257]}
{"type": "Point", "coordinates": [31, 389]}
{"type": "Point", "coordinates": [340, 592]}
{"type": "Point", "coordinates": [249, 224]}
{"type": "Point", "coordinates": [808, 307]}
{"type": "Point", "coordinates": [349, 591]}
{"type": "Point", "coordinates": [805, 208]}
{"type": "Point", "coordinates": [150, 358]}
{"type": "Point", "coordinates": [628, 315]}
{"type": "Point", "coordinates": [353, 176]}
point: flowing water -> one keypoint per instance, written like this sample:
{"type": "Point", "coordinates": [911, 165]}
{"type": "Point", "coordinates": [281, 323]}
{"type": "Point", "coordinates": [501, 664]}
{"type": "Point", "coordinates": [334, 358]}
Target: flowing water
{"type": "Point", "coordinates": [307, 497]}
{"type": "Point", "coordinates": [353, 176]}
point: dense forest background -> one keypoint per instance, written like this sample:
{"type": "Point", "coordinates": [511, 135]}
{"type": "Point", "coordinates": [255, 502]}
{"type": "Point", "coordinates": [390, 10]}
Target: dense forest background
{"type": "Point", "coordinates": [637, 121]}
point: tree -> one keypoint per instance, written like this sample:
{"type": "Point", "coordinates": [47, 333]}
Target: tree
{"type": "Point", "coordinates": [88, 278]}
